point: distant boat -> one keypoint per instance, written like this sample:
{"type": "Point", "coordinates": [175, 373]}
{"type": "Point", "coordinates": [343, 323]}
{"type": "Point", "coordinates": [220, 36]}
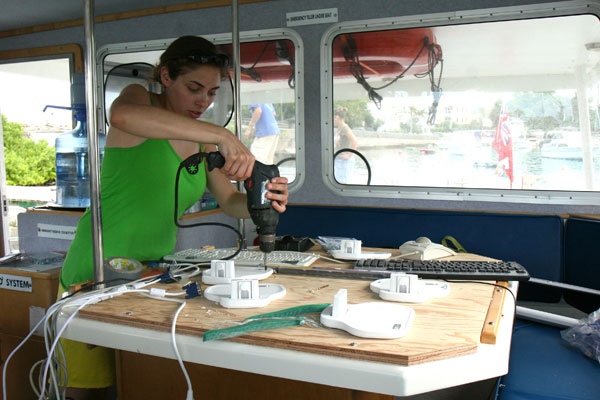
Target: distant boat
{"type": "Point", "coordinates": [563, 149]}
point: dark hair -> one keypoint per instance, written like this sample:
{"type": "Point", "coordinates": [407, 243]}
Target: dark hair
{"type": "Point", "coordinates": [340, 111]}
{"type": "Point", "coordinates": [186, 53]}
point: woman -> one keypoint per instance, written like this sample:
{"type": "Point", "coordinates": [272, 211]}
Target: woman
{"type": "Point", "coordinates": [150, 134]}
{"type": "Point", "coordinates": [343, 139]}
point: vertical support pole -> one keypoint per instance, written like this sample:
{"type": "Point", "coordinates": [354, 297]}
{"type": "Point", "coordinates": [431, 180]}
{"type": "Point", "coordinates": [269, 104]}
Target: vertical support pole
{"type": "Point", "coordinates": [237, 106]}
{"type": "Point", "coordinates": [584, 126]}
{"type": "Point", "coordinates": [92, 134]}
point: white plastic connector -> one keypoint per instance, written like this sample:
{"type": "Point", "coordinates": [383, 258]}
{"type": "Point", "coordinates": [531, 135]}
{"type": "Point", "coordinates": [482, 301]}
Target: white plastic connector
{"type": "Point", "coordinates": [244, 289]}
{"type": "Point", "coordinates": [157, 292]}
{"type": "Point", "coordinates": [340, 304]}
{"type": "Point", "coordinates": [222, 268]}
{"type": "Point", "coordinates": [139, 285]}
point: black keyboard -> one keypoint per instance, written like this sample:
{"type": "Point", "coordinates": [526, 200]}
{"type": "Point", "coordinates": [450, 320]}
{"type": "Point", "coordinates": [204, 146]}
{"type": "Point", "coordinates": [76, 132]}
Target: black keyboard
{"type": "Point", "coordinates": [460, 270]}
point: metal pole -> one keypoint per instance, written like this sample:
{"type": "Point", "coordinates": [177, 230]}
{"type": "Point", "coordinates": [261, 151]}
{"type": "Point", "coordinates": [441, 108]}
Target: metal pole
{"type": "Point", "coordinates": [584, 126]}
{"type": "Point", "coordinates": [92, 134]}
{"type": "Point", "coordinates": [236, 96]}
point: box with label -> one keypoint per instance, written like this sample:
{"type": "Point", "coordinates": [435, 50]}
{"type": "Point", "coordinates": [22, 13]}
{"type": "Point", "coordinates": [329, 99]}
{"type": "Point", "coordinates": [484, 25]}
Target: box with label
{"type": "Point", "coordinates": [26, 292]}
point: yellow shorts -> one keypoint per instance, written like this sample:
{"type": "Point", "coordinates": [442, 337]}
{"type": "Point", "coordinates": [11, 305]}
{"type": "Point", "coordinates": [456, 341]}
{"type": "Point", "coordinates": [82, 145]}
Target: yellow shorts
{"type": "Point", "coordinates": [88, 368]}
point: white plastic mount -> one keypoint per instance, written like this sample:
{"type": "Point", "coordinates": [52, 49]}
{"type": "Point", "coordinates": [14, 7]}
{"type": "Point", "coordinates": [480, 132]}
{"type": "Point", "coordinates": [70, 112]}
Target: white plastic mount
{"type": "Point", "coordinates": [351, 249]}
{"type": "Point", "coordinates": [369, 320]}
{"type": "Point", "coordinates": [224, 271]}
{"type": "Point", "coordinates": [243, 293]}
{"type": "Point", "coordinates": [408, 288]}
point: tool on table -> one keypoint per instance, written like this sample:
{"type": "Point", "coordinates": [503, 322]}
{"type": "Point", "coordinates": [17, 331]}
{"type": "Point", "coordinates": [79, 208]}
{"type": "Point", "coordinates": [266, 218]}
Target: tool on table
{"type": "Point", "coordinates": [278, 319]}
{"type": "Point", "coordinates": [261, 211]}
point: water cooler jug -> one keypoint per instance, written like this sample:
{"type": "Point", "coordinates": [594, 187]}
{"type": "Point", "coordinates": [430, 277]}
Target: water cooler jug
{"type": "Point", "coordinates": [72, 167]}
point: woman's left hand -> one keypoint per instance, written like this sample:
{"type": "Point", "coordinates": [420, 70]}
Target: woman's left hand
{"type": "Point", "coordinates": [280, 199]}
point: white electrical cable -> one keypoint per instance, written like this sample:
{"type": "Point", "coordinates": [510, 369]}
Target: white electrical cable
{"type": "Point", "coordinates": [190, 392]}
{"type": "Point", "coordinates": [80, 302]}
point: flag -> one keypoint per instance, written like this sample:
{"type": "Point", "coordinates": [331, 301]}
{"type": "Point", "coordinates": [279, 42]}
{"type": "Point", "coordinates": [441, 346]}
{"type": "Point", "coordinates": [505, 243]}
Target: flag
{"type": "Point", "coordinates": [503, 145]}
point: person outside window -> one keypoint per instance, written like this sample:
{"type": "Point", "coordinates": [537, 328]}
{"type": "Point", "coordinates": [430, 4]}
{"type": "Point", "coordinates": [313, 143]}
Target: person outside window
{"type": "Point", "coordinates": [266, 132]}
{"type": "Point", "coordinates": [344, 138]}
{"type": "Point", "coordinates": [149, 136]}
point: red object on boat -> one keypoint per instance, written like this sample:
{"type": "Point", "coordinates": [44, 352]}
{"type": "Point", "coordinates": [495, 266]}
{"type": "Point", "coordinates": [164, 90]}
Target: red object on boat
{"type": "Point", "coordinates": [264, 61]}
{"type": "Point", "coordinates": [384, 53]}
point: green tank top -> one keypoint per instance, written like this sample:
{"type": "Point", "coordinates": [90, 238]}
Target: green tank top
{"type": "Point", "coordinates": [137, 205]}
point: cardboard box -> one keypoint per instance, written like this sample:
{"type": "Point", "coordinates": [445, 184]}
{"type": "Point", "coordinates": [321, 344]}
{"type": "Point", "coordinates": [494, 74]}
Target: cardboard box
{"type": "Point", "coordinates": [17, 372]}
{"type": "Point", "coordinates": [25, 295]}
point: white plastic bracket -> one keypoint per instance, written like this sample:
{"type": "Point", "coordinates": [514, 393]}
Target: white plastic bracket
{"type": "Point", "coordinates": [244, 293]}
{"type": "Point", "coordinates": [244, 289]}
{"type": "Point", "coordinates": [222, 268]}
{"type": "Point", "coordinates": [340, 303]}
{"type": "Point", "coordinates": [369, 320]}
{"type": "Point", "coordinates": [408, 288]}
{"type": "Point", "coordinates": [404, 283]}
{"type": "Point", "coordinates": [225, 271]}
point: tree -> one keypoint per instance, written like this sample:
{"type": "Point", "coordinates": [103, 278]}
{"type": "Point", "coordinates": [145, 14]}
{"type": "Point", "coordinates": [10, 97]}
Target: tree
{"type": "Point", "coordinates": [27, 163]}
{"type": "Point", "coordinates": [358, 113]}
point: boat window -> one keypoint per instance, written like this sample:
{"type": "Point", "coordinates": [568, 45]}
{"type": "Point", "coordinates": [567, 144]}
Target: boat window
{"type": "Point", "coordinates": [486, 110]}
{"type": "Point", "coordinates": [27, 163]}
{"type": "Point", "coordinates": [268, 84]}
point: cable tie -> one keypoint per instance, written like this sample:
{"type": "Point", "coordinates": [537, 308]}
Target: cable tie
{"type": "Point", "coordinates": [157, 292]}
{"type": "Point", "coordinates": [192, 290]}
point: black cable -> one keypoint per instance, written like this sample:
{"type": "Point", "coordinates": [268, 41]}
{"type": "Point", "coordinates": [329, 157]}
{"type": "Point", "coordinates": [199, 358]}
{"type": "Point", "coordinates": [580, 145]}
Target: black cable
{"type": "Point", "coordinates": [358, 153]}
{"type": "Point", "coordinates": [281, 51]}
{"type": "Point", "coordinates": [192, 165]}
{"type": "Point", "coordinates": [357, 70]}
{"type": "Point", "coordinates": [491, 284]}
{"type": "Point", "coordinates": [252, 73]}
{"type": "Point", "coordinates": [485, 283]}
{"type": "Point", "coordinates": [285, 160]}
{"type": "Point", "coordinates": [108, 76]}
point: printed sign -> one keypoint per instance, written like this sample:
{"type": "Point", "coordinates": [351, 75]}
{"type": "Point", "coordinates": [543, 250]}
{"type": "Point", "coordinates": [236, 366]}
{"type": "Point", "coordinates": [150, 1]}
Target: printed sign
{"type": "Point", "coordinates": [309, 17]}
{"type": "Point", "coordinates": [13, 282]}
{"type": "Point", "coordinates": [56, 231]}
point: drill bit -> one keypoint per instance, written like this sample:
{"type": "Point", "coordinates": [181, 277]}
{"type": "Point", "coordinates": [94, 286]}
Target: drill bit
{"type": "Point", "coordinates": [265, 256]}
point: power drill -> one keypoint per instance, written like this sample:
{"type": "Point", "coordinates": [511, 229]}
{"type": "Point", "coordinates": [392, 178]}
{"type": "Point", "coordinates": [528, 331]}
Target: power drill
{"type": "Point", "coordinates": [261, 211]}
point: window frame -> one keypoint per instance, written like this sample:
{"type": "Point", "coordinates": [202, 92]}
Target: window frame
{"type": "Point", "coordinates": [556, 197]}
{"type": "Point", "coordinates": [218, 39]}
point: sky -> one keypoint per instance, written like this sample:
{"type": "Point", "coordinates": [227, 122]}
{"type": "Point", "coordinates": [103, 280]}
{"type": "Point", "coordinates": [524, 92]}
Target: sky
{"type": "Point", "coordinates": [26, 88]}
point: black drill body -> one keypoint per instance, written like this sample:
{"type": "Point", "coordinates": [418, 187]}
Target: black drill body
{"type": "Point", "coordinates": [264, 216]}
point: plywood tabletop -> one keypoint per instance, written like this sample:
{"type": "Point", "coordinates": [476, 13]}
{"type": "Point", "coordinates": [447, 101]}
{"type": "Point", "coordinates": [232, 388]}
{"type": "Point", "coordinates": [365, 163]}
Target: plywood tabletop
{"type": "Point", "coordinates": [442, 328]}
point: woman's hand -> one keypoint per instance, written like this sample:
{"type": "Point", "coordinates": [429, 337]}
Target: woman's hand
{"type": "Point", "coordinates": [239, 161]}
{"type": "Point", "coordinates": [280, 199]}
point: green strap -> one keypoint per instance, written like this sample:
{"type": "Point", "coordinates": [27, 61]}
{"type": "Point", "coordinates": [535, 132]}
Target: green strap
{"type": "Point", "coordinates": [452, 243]}
{"type": "Point", "coordinates": [251, 326]}
{"type": "Point", "coordinates": [290, 312]}
{"type": "Point", "coordinates": [277, 319]}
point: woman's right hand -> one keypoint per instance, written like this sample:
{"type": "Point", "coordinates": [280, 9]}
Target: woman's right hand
{"type": "Point", "coordinates": [239, 161]}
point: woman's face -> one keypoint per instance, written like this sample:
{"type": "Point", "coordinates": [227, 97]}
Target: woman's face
{"type": "Point", "coordinates": [192, 92]}
{"type": "Point", "coordinates": [337, 121]}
